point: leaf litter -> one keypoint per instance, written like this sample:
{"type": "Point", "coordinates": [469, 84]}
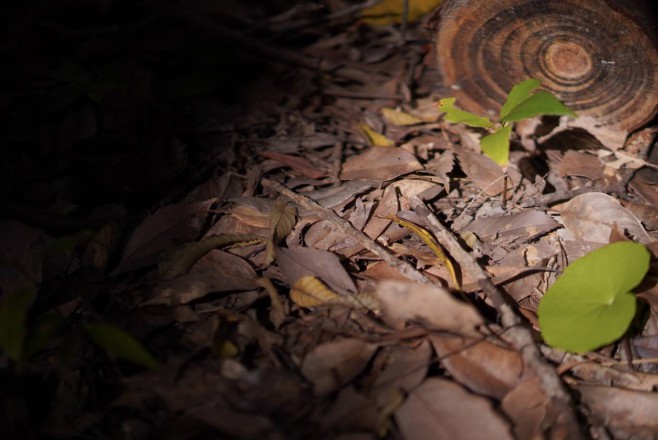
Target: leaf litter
{"type": "Point", "coordinates": [334, 264]}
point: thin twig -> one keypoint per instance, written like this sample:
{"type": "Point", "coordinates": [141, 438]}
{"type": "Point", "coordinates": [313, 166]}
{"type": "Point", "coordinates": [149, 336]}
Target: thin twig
{"type": "Point", "coordinates": [346, 228]}
{"type": "Point", "coordinates": [518, 335]}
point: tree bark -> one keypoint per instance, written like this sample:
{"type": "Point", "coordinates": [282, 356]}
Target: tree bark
{"type": "Point", "coordinates": [599, 56]}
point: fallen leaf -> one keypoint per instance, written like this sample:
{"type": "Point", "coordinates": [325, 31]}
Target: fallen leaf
{"type": "Point", "coordinates": [480, 365]}
{"type": "Point", "coordinates": [309, 292]}
{"type": "Point", "coordinates": [441, 409]}
{"type": "Point", "coordinates": [375, 139]}
{"type": "Point", "coordinates": [301, 262]}
{"type": "Point", "coordinates": [282, 220]}
{"type": "Point", "coordinates": [430, 306]}
{"type": "Point", "coordinates": [400, 118]}
{"type": "Point", "coordinates": [299, 164]}
{"type": "Point", "coordinates": [161, 231]}
{"type": "Point", "coordinates": [524, 225]}
{"type": "Point", "coordinates": [627, 413]}
{"type": "Point", "coordinates": [380, 164]}
{"type": "Point", "coordinates": [333, 364]}
{"type": "Point", "coordinates": [591, 217]}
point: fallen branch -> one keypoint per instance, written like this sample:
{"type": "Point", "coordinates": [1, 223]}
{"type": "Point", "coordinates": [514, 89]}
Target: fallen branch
{"type": "Point", "coordinates": [517, 334]}
{"type": "Point", "coordinates": [350, 231]}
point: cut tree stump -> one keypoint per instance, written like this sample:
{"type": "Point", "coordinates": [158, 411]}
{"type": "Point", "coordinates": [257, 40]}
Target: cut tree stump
{"type": "Point", "coordinates": [598, 56]}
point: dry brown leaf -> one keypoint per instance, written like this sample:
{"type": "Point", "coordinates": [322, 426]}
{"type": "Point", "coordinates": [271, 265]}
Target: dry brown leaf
{"type": "Point", "coordinates": [591, 217]}
{"type": "Point", "coordinates": [214, 272]}
{"type": "Point", "coordinates": [183, 258]}
{"type": "Point", "coordinates": [528, 408]}
{"type": "Point", "coordinates": [380, 164]}
{"type": "Point", "coordinates": [297, 263]}
{"type": "Point", "coordinates": [351, 411]}
{"type": "Point", "coordinates": [253, 211]}
{"type": "Point", "coordinates": [431, 306]}
{"type": "Point", "coordinates": [524, 225]}
{"type": "Point", "coordinates": [441, 409]}
{"type": "Point", "coordinates": [482, 170]}
{"type": "Point", "coordinates": [627, 413]}
{"type": "Point", "coordinates": [282, 220]}
{"type": "Point", "coordinates": [480, 365]}
{"type": "Point", "coordinates": [333, 364]}
{"type": "Point", "coordinates": [406, 369]}
{"type": "Point", "coordinates": [162, 230]}
{"type": "Point", "coordinates": [299, 164]}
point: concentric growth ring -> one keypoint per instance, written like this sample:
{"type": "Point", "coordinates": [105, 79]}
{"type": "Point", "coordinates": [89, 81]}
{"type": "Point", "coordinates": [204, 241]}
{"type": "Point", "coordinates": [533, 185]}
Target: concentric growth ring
{"type": "Point", "coordinates": [594, 57]}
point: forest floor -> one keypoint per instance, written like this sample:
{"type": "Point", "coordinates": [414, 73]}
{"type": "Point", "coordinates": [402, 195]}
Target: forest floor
{"type": "Point", "coordinates": [212, 233]}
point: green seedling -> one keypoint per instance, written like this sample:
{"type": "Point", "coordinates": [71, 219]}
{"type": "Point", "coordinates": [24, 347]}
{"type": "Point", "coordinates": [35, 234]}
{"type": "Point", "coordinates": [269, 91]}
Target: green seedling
{"type": "Point", "coordinates": [591, 305]}
{"type": "Point", "coordinates": [523, 102]}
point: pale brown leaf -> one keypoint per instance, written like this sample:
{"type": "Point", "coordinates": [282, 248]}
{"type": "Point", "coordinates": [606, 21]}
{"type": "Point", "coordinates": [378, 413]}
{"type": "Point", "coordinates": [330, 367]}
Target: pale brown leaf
{"type": "Point", "coordinates": [380, 164]}
{"type": "Point", "coordinates": [335, 363]}
{"type": "Point", "coordinates": [297, 263]}
{"type": "Point", "coordinates": [431, 306]}
{"type": "Point", "coordinates": [591, 217]}
{"type": "Point", "coordinates": [441, 409]}
{"type": "Point", "coordinates": [282, 220]}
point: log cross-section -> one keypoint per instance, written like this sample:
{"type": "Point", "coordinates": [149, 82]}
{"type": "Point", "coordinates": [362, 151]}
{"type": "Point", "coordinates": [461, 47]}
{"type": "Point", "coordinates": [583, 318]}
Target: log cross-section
{"type": "Point", "coordinates": [599, 56]}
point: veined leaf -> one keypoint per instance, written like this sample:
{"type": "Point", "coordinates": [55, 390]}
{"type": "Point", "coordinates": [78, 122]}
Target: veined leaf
{"type": "Point", "coordinates": [457, 116]}
{"type": "Point", "coordinates": [118, 343]}
{"type": "Point", "coordinates": [13, 315]}
{"type": "Point", "coordinates": [496, 145]}
{"type": "Point", "coordinates": [309, 291]}
{"type": "Point", "coordinates": [590, 305]}
{"type": "Point", "coordinates": [519, 93]}
{"type": "Point", "coordinates": [282, 220]}
{"type": "Point", "coordinates": [541, 103]}
{"type": "Point", "coordinates": [432, 243]}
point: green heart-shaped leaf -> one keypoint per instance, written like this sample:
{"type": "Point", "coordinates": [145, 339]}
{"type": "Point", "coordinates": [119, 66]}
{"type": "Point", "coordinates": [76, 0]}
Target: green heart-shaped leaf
{"type": "Point", "coordinates": [590, 305]}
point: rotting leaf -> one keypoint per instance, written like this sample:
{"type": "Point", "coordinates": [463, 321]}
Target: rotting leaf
{"type": "Point", "coordinates": [299, 262]}
{"type": "Point", "coordinates": [120, 344]}
{"type": "Point", "coordinates": [181, 260]}
{"type": "Point", "coordinates": [282, 220]}
{"type": "Point", "coordinates": [590, 304]}
{"type": "Point", "coordinates": [13, 315]}
{"type": "Point", "coordinates": [432, 243]}
{"type": "Point", "coordinates": [299, 164]}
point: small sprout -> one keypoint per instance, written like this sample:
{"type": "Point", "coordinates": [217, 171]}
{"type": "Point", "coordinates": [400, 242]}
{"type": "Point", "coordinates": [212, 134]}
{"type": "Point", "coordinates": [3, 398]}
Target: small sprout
{"type": "Point", "coordinates": [522, 103]}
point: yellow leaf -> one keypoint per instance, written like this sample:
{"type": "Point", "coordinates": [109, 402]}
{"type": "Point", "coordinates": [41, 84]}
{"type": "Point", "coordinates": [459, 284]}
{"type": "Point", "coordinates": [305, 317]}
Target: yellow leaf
{"type": "Point", "coordinates": [309, 292]}
{"type": "Point", "coordinates": [282, 220]}
{"type": "Point", "coordinates": [400, 118]}
{"type": "Point", "coordinates": [432, 243]}
{"type": "Point", "coordinates": [390, 11]}
{"type": "Point", "coordinates": [375, 139]}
